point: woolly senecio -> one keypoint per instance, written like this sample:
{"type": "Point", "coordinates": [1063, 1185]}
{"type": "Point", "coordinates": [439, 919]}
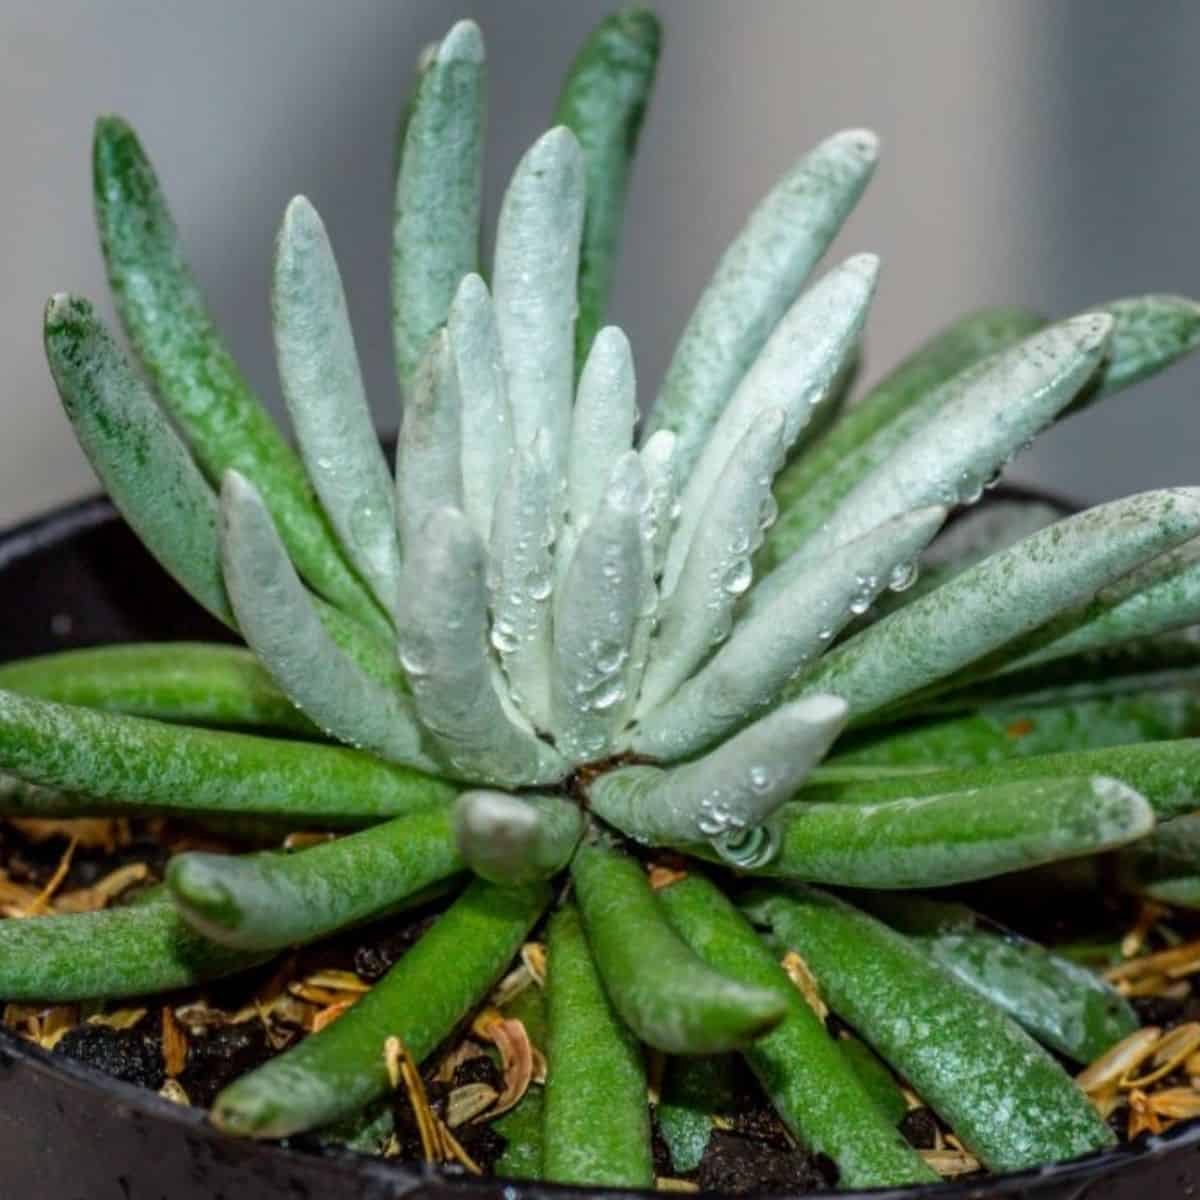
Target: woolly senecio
{"type": "Point", "coordinates": [551, 648]}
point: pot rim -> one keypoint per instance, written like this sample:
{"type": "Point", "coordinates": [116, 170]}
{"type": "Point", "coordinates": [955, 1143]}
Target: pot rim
{"type": "Point", "coordinates": [44, 531]}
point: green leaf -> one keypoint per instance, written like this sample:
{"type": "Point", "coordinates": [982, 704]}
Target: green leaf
{"type": "Point", "coordinates": [1065, 1006]}
{"type": "Point", "coordinates": [756, 280]}
{"type": "Point", "coordinates": [939, 839]}
{"type": "Point", "coordinates": [117, 764]}
{"type": "Point", "coordinates": [603, 102]}
{"type": "Point", "coordinates": [167, 320]}
{"type": "Point", "coordinates": [1005, 1097]}
{"type": "Point", "coordinates": [435, 229]}
{"type": "Point", "coordinates": [1166, 773]}
{"type": "Point", "coordinates": [146, 470]}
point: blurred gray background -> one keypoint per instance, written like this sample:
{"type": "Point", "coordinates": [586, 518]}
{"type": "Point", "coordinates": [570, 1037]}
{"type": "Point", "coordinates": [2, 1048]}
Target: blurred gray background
{"type": "Point", "coordinates": [1033, 151]}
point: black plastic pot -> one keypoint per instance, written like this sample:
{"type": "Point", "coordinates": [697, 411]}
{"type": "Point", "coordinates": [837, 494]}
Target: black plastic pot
{"type": "Point", "coordinates": [78, 577]}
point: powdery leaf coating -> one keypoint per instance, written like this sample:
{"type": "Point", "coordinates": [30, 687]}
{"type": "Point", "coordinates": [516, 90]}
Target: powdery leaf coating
{"type": "Point", "coordinates": [515, 839]}
{"type": "Point", "coordinates": [825, 472]}
{"type": "Point", "coordinates": [795, 372]}
{"type": "Point", "coordinates": [323, 388]}
{"type": "Point", "coordinates": [769, 647]}
{"type": "Point", "coordinates": [1002, 597]}
{"type": "Point", "coordinates": [961, 447]}
{"type": "Point", "coordinates": [281, 624]}
{"type": "Point", "coordinates": [487, 427]}
{"type": "Point", "coordinates": [445, 654]}
{"type": "Point", "coordinates": [439, 186]}
{"type": "Point", "coordinates": [596, 618]}
{"type": "Point", "coordinates": [717, 571]}
{"type": "Point", "coordinates": [534, 286]}
{"type": "Point", "coordinates": [757, 278]}
{"type": "Point", "coordinates": [520, 578]}
{"type": "Point", "coordinates": [429, 464]}
{"type": "Point", "coordinates": [730, 791]}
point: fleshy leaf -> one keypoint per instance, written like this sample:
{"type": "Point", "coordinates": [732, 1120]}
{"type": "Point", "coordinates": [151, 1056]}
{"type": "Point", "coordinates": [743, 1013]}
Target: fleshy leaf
{"type": "Point", "coordinates": [169, 325]}
{"type": "Point", "coordinates": [487, 429]}
{"type": "Point", "coordinates": [757, 278]}
{"type": "Point", "coordinates": [698, 614]}
{"type": "Point", "coordinates": [937, 840]}
{"type": "Point", "coordinates": [281, 624]}
{"type": "Point", "coordinates": [603, 101]}
{"type": "Point", "coordinates": [795, 373]}
{"type": "Point", "coordinates": [951, 457]}
{"type": "Point", "coordinates": [521, 578]}
{"type": "Point", "coordinates": [516, 839]}
{"type": "Point", "coordinates": [767, 649]}
{"type": "Point", "coordinates": [596, 615]}
{"type": "Point", "coordinates": [323, 387]}
{"type": "Point", "coordinates": [602, 423]}
{"type": "Point", "coordinates": [811, 486]}
{"type": "Point", "coordinates": [533, 284]}
{"type": "Point", "coordinates": [728, 794]}
{"type": "Point", "coordinates": [1002, 597]}
{"type": "Point", "coordinates": [435, 231]}
{"type": "Point", "coordinates": [444, 651]}
{"type": "Point", "coordinates": [429, 464]}
{"type": "Point", "coordinates": [144, 466]}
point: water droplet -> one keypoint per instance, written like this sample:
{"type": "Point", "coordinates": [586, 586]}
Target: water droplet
{"type": "Point", "coordinates": [504, 637]}
{"type": "Point", "coordinates": [737, 577]}
{"type": "Point", "coordinates": [769, 511]}
{"type": "Point", "coordinates": [609, 694]}
{"type": "Point", "coordinates": [760, 779]}
{"type": "Point", "coordinates": [903, 576]}
{"type": "Point", "coordinates": [416, 654]}
{"type": "Point", "coordinates": [538, 584]}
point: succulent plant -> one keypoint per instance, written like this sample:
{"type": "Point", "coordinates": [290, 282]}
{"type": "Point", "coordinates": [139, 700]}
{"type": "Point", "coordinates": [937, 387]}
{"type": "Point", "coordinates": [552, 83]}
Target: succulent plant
{"type": "Point", "coordinates": [549, 652]}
